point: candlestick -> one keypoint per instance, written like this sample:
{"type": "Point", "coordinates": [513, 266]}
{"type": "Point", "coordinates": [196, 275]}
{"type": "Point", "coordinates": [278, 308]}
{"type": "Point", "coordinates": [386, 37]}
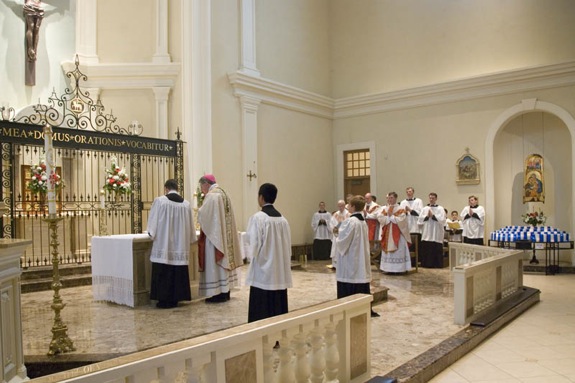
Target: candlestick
{"type": "Point", "coordinates": [49, 152]}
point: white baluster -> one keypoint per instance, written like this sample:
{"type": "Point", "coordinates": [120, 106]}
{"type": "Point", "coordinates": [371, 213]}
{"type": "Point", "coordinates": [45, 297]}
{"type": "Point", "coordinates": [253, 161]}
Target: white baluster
{"type": "Point", "coordinates": [332, 354]}
{"type": "Point", "coordinates": [317, 355]}
{"type": "Point", "coordinates": [302, 369]}
{"type": "Point", "coordinates": [286, 373]}
{"type": "Point", "coordinates": [269, 373]}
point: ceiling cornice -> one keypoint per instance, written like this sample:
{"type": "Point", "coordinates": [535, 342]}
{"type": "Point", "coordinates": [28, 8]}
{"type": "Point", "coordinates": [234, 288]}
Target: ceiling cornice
{"type": "Point", "coordinates": [490, 85]}
{"type": "Point", "coordinates": [285, 96]}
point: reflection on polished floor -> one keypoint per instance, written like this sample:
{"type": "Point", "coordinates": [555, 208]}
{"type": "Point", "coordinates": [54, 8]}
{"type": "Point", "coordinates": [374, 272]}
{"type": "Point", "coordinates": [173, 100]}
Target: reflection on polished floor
{"type": "Point", "coordinates": [538, 346]}
{"type": "Point", "coordinates": [417, 315]}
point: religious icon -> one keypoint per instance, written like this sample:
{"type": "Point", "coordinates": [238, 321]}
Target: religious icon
{"type": "Point", "coordinates": [533, 182]}
{"type": "Point", "coordinates": [467, 169]}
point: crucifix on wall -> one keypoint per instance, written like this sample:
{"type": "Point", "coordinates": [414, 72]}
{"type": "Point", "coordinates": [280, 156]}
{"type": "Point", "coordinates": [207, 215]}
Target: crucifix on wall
{"type": "Point", "coordinates": [33, 11]}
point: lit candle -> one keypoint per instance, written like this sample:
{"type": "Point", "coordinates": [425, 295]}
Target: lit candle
{"type": "Point", "coordinates": [49, 152]}
{"type": "Point", "coordinates": [102, 200]}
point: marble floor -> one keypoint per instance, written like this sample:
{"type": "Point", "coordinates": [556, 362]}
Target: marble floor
{"type": "Point", "coordinates": [417, 315]}
{"type": "Point", "coordinates": [538, 346]}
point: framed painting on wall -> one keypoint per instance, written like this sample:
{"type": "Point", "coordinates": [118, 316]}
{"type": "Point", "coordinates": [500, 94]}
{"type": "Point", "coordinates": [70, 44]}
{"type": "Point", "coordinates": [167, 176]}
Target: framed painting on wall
{"type": "Point", "coordinates": [467, 168]}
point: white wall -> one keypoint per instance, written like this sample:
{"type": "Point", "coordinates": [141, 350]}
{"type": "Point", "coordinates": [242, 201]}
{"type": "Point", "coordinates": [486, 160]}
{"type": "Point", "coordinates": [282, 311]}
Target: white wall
{"type": "Point", "coordinates": [293, 43]}
{"type": "Point", "coordinates": [388, 45]}
{"type": "Point", "coordinates": [56, 44]}
{"type": "Point", "coordinates": [126, 31]}
{"type": "Point", "coordinates": [295, 152]}
{"type": "Point", "coordinates": [439, 135]}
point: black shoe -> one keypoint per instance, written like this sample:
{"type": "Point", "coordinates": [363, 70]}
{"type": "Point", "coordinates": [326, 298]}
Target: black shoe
{"type": "Point", "coordinates": [374, 314]}
{"type": "Point", "coordinates": [166, 304]}
{"type": "Point", "coordinates": [220, 298]}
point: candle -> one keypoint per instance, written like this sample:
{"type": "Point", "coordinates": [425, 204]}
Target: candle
{"type": "Point", "coordinates": [102, 200]}
{"type": "Point", "coordinates": [49, 152]}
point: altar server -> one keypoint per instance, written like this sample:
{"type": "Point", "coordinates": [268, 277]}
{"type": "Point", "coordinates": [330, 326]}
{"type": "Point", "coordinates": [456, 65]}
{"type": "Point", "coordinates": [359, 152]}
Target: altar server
{"type": "Point", "coordinates": [170, 226]}
{"type": "Point", "coordinates": [269, 273]}
{"type": "Point", "coordinates": [473, 221]}
{"type": "Point", "coordinates": [432, 219]}
{"type": "Point", "coordinates": [321, 225]}
{"type": "Point", "coordinates": [353, 273]}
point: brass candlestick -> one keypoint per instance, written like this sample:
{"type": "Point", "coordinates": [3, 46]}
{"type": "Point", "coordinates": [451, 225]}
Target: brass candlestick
{"type": "Point", "coordinates": [60, 343]}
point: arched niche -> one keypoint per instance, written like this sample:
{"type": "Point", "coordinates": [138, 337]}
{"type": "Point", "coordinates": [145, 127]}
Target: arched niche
{"type": "Point", "coordinates": [528, 127]}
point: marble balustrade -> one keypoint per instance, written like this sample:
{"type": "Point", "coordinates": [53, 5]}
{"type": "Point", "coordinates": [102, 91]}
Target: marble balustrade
{"type": "Point", "coordinates": [479, 285]}
{"type": "Point", "coordinates": [323, 343]}
{"type": "Point", "coordinates": [465, 253]}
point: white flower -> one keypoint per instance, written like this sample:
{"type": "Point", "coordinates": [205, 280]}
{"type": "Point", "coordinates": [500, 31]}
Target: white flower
{"type": "Point", "coordinates": [116, 178]}
{"type": "Point", "coordinates": [40, 182]}
{"type": "Point", "coordinates": [44, 178]}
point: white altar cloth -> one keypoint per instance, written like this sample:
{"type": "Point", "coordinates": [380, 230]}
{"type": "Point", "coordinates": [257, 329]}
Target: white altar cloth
{"type": "Point", "coordinates": [112, 268]}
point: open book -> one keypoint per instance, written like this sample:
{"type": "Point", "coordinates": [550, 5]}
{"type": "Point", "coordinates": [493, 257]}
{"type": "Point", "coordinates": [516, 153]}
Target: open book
{"type": "Point", "coordinates": [454, 225]}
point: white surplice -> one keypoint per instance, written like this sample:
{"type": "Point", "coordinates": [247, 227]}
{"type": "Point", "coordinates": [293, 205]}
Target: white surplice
{"type": "Point", "coordinates": [337, 219]}
{"type": "Point", "coordinates": [433, 229]}
{"type": "Point", "coordinates": [321, 231]}
{"type": "Point", "coordinates": [269, 244]}
{"type": "Point", "coordinates": [473, 225]}
{"type": "Point", "coordinates": [416, 204]}
{"type": "Point", "coordinates": [170, 226]}
{"type": "Point", "coordinates": [352, 252]}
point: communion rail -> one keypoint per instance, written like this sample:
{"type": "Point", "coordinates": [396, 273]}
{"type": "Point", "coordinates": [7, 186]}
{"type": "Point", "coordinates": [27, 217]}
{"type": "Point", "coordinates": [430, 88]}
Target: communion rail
{"type": "Point", "coordinates": [327, 342]}
{"type": "Point", "coordinates": [464, 253]}
{"type": "Point", "coordinates": [478, 285]}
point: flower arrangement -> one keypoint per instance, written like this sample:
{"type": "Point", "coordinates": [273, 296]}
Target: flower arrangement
{"type": "Point", "coordinates": [534, 218]}
{"type": "Point", "coordinates": [38, 182]}
{"type": "Point", "coordinates": [117, 180]}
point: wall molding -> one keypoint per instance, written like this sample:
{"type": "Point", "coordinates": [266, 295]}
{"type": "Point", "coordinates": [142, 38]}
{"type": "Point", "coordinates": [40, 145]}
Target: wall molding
{"type": "Point", "coordinates": [281, 95]}
{"type": "Point", "coordinates": [490, 85]}
{"type": "Point", "coordinates": [127, 76]}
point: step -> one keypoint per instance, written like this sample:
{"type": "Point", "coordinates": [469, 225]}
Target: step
{"type": "Point", "coordinates": [45, 284]}
{"type": "Point", "coordinates": [41, 272]}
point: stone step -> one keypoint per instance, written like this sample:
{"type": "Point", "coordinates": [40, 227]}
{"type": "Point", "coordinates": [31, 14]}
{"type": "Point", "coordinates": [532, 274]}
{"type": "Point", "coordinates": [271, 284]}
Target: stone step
{"type": "Point", "coordinates": [44, 284]}
{"type": "Point", "coordinates": [42, 272]}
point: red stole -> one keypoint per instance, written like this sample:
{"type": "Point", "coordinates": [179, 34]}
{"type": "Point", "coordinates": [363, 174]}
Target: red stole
{"type": "Point", "coordinates": [202, 252]}
{"type": "Point", "coordinates": [385, 236]}
{"type": "Point", "coordinates": [371, 226]}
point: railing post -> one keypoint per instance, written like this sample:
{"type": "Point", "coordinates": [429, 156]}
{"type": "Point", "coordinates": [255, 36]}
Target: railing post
{"type": "Point", "coordinates": [286, 373]}
{"type": "Point", "coordinates": [317, 355]}
{"type": "Point", "coordinates": [268, 360]}
{"type": "Point", "coordinates": [332, 353]}
{"type": "Point", "coordinates": [302, 367]}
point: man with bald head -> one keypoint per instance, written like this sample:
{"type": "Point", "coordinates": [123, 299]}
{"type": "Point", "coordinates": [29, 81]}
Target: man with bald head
{"type": "Point", "coordinates": [370, 214]}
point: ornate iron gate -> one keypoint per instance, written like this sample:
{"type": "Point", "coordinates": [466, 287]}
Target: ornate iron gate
{"type": "Point", "coordinates": [85, 142]}
{"type": "Point", "coordinates": [82, 169]}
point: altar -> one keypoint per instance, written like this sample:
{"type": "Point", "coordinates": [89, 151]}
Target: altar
{"type": "Point", "coordinates": [121, 269]}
